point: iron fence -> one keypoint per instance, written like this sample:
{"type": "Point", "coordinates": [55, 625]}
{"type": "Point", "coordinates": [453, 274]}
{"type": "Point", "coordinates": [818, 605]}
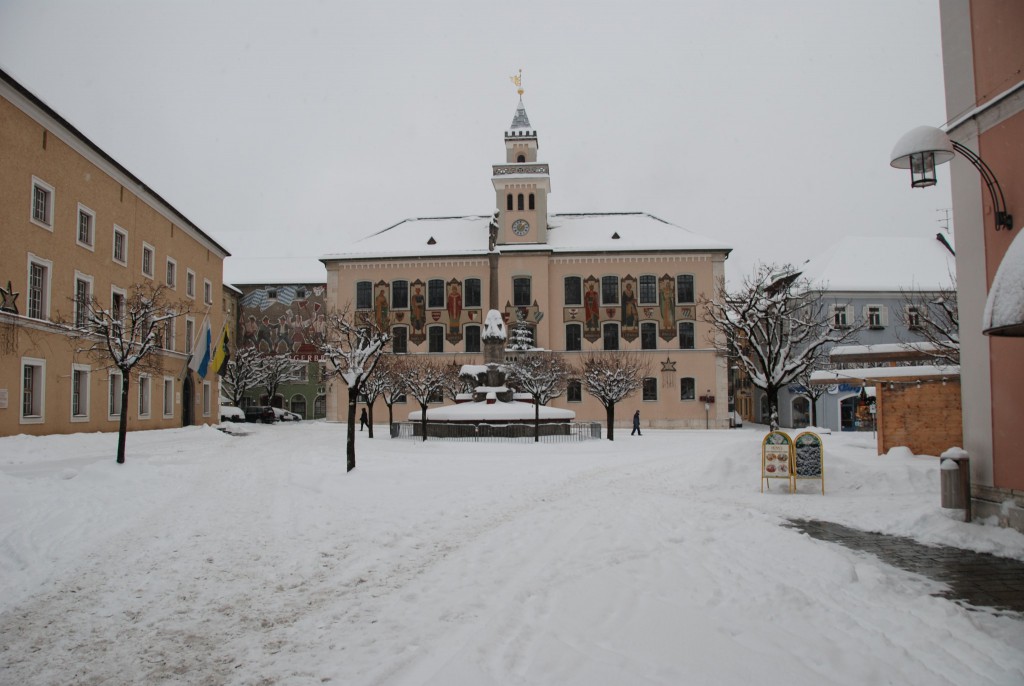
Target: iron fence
{"type": "Point", "coordinates": [553, 432]}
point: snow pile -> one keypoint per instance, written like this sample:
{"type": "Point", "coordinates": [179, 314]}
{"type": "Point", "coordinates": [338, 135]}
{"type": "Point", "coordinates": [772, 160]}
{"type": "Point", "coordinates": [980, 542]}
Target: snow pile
{"type": "Point", "coordinates": [255, 558]}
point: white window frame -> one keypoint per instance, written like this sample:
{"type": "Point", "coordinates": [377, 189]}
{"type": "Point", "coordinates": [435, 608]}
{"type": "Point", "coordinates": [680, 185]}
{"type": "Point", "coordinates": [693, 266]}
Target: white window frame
{"type": "Point", "coordinates": [170, 333]}
{"type": "Point", "coordinates": [83, 393]}
{"type": "Point", "coordinates": [38, 398]}
{"type": "Point", "coordinates": [118, 321]}
{"type": "Point", "coordinates": [168, 400]}
{"type": "Point", "coordinates": [171, 273]}
{"type": "Point", "coordinates": [847, 312]}
{"type": "Point", "coordinates": [118, 231]}
{"type": "Point", "coordinates": [618, 291]}
{"type": "Point", "coordinates": [190, 332]}
{"type": "Point", "coordinates": [207, 292]}
{"type": "Point", "coordinates": [190, 284]}
{"type": "Point", "coordinates": [145, 387]}
{"type": "Point", "coordinates": [882, 312]}
{"type": "Point", "coordinates": [147, 248]}
{"type": "Point", "coordinates": [44, 305]}
{"type": "Point", "coordinates": [79, 314]}
{"type": "Point", "coordinates": [913, 315]}
{"type": "Point", "coordinates": [83, 210]}
{"type": "Point", "coordinates": [207, 398]}
{"type": "Point", "coordinates": [51, 195]}
{"type": "Point", "coordinates": [114, 395]}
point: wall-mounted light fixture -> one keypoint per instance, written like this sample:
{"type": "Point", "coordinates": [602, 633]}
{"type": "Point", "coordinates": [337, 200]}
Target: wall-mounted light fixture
{"type": "Point", "coordinates": [921, 149]}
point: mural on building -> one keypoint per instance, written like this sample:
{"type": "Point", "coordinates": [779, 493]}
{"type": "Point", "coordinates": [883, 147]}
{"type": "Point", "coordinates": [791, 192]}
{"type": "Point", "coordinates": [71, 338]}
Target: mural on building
{"type": "Point", "coordinates": [630, 314]}
{"type": "Point", "coordinates": [454, 311]}
{"type": "Point", "coordinates": [283, 319]}
{"type": "Point", "coordinates": [667, 307]}
{"type": "Point", "coordinates": [591, 309]}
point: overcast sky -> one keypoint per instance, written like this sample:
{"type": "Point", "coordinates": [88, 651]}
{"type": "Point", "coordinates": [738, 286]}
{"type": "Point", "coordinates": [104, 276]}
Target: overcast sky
{"type": "Point", "coordinates": [292, 128]}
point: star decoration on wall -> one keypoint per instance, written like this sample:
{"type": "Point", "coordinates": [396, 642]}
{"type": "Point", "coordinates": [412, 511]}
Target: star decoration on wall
{"type": "Point", "coordinates": [8, 299]}
{"type": "Point", "coordinates": [668, 365]}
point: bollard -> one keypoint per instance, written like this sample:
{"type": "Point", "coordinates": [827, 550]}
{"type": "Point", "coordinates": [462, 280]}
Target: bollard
{"type": "Point", "coordinates": [955, 477]}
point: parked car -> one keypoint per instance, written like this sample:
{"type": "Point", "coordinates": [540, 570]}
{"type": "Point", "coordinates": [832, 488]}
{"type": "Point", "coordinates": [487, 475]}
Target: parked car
{"type": "Point", "coordinates": [286, 415]}
{"type": "Point", "coordinates": [260, 413]}
{"type": "Point", "coordinates": [230, 413]}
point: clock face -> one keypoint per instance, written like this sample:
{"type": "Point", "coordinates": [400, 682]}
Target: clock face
{"type": "Point", "coordinates": [520, 227]}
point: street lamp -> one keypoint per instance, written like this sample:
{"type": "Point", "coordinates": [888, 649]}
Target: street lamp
{"type": "Point", "coordinates": [921, 149]}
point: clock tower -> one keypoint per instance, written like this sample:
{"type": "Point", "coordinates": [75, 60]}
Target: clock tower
{"type": "Point", "coordinates": [521, 185]}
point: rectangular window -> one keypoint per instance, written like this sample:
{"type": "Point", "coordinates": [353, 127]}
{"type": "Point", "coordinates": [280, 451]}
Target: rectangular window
{"type": "Point", "coordinates": [400, 295]}
{"type": "Point", "coordinates": [876, 316]}
{"type": "Point", "coordinates": [117, 300]}
{"type": "Point", "coordinates": [435, 294]}
{"type": "Point", "coordinates": [609, 290]}
{"type": "Point", "coordinates": [33, 390]}
{"type": "Point", "coordinates": [79, 393]}
{"type": "Point", "coordinates": [86, 236]}
{"type": "Point", "coordinates": [144, 391]}
{"type": "Point", "coordinates": [611, 336]}
{"type": "Point", "coordinates": [648, 290]}
{"type": "Point", "coordinates": [168, 396]}
{"type": "Point", "coordinates": [207, 398]}
{"type": "Point", "coordinates": [207, 292]}
{"type": "Point", "coordinates": [436, 396]}
{"type": "Point", "coordinates": [42, 203]}
{"type": "Point", "coordinates": [168, 342]}
{"type": "Point", "coordinates": [472, 339]}
{"type": "Point", "coordinates": [172, 273]}
{"type": "Point", "coordinates": [839, 317]}
{"type": "Point", "coordinates": [574, 337]}
{"type": "Point", "coordinates": [435, 339]}
{"type": "Point", "coordinates": [648, 336]}
{"type": "Point", "coordinates": [190, 283]}
{"type": "Point", "coordinates": [148, 256]}
{"type": "Point", "coordinates": [400, 339]}
{"type": "Point", "coordinates": [574, 392]}
{"type": "Point", "coordinates": [573, 290]}
{"type": "Point", "coordinates": [913, 318]}
{"type": "Point", "coordinates": [38, 287]}
{"type": "Point", "coordinates": [686, 388]}
{"type": "Point", "coordinates": [120, 254]}
{"type": "Point", "coordinates": [302, 374]}
{"type": "Point", "coordinates": [83, 299]}
{"type": "Point", "coordinates": [521, 293]}
{"type": "Point", "coordinates": [114, 396]}
{"type": "Point", "coordinates": [364, 295]}
{"type": "Point", "coordinates": [650, 388]}
{"type": "Point", "coordinates": [687, 339]}
{"type": "Point", "coordinates": [684, 288]}
{"type": "Point", "coordinates": [190, 334]}
{"type": "Point", "coordinates": [471, 293]}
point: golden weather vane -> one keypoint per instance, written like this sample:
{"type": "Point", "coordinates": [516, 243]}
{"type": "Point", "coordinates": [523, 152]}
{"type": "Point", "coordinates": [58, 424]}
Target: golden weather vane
{"type": "Point", "coordinates": [518, 81]}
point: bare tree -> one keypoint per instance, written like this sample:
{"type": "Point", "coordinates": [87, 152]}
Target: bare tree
{"type": "Point", "coordinates": [426, 380]}
{"type": "Point", "coordinates": [936, 318]}
{"type": "Point", "coordinates": [375, 385]}
{"type": "Point", "coordinates": [775, 325]}
{"type": "Point", "coordinates": [353, 345]}
{"type": "Point", "coordinates": [127, 336]}
{"type": "Point", "coordinates": [544, 375]}
{"type": "Point", "coordinates": [391, 372]}
{"type": "Point", "coordinates": [276, 370]}
{"type": "Point", "coordinates": [242, 374]}
{"type": "Point", "coordinates": [611, 377]}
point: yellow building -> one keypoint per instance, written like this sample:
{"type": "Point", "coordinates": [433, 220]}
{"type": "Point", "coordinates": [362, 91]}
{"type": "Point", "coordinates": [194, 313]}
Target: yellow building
{"type": "Point", "coordinates": [582, 283]}
{"type": "Point", "coordinates": [75, 223]}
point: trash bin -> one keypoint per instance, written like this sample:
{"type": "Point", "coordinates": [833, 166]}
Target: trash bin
{"type": "Point", "coordinates": [955, 477]}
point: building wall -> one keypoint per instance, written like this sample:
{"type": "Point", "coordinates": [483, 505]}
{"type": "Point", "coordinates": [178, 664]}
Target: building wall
{"type": "Point", "coordinates": [925, 418]}
{"type": "Point", "coordinates": [38, 148]}
{"type": "Point", "coordinates": [549, 314]}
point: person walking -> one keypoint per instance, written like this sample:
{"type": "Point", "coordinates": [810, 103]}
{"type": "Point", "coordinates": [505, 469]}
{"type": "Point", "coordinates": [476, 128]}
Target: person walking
{"type": "Point", "coordinates": [636, 424]}
{"type": "Point", "coordinates": [363, 420]}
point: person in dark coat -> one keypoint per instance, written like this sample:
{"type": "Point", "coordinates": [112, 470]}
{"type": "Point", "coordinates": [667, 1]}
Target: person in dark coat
{"type": "Point", "coordinates": [636, 424]}
{"type": "Point", "coordinates": [363, 420]}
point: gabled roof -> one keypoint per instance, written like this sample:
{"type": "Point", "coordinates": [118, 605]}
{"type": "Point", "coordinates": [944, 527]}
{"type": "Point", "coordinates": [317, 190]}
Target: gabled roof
{"type": "Point", "coordinates": [882, 263]}
{"type": "Point", "coordinates": [567, 233]}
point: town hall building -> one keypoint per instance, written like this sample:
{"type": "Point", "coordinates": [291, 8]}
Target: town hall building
{"type": "Point", "coordinates": [583, 283]}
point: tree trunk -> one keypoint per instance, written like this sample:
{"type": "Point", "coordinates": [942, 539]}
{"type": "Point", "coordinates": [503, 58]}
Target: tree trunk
{"type": "Point", "coordinates": [369, 418]}
{"type": "Point", "coordinates": [122, 427]}
{"type": "Point", "coordinates": [773, 407]}
{"type": "Point", "coordinates": [423, 420]}
{"type": "Point", "coordinates": [814, 411]}
{"type": "Point", "coordinates": [610, 412]}
{"type": "Point", "coordinates": [350, 443]}
{"type": "Point", "coordinates": [391, 416]}
{"type": "Point", "coordinates": [536, 420]}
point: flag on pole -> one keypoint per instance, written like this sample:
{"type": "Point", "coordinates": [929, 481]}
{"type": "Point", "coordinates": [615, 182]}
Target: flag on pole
{"type": "Point", "coordinates": [222, 353]}
{"type": "Point", "coordinates": [201, 350]}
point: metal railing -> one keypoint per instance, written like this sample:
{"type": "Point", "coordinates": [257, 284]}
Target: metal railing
{"type": "Point", "coordinates": [554, 432]}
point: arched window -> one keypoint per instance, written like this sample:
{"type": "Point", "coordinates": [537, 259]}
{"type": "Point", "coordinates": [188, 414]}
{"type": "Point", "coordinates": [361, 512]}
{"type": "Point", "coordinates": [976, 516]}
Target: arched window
{"type": "Point", "coordinates": [648, 336]}
{"type": "Point", "coordinates": [400, 295]}
{"type": "Point", "coordinates": [686, 336]}
{"type": "Point", "coordinates": [684, 288]}
{"type": "Point", "coordinates": [531, 201]}
{"type": "Point", "coordinates": [574, 337]}
{"type": "Point", "coordinates": [400, 339]}
{"type": "Point", "coordinates": [801, 412]}
{"type": "Point", "coordinates": [472, 337]}
{"type": "Point", "coordinates": [648, 289]}
{"type": "Point", "coordinates": [471, 293]}
{"type": "Point", "coordinates": [298, 405]}
{"type": "Point", "coordinates": [687, 388]}
{"type": "Point", "coordinates": [611, 336]}
{"type": "Point", "coordinates": [573, 290]}
{"type": "Point", "coordinates": [320, 407]}
{"type": "Point", "coordinates": [519, 201]}
{"type": "Point", "coordinates": [508, 203]}
{"type": "Point", "coordinates": [521, 294]}
{"type": "Point", "coordinates": [435, 293]}
{"type": "Point", "coordinates": [521, 158]}
{"type": "Point", "coordinates": [435, 339]}
{"type": "Point", "coordinates": [574, 392]}
{"type": "Point", "coordinates": [364, 295]}
{"type": "Point", "coordinates": [609, 290]}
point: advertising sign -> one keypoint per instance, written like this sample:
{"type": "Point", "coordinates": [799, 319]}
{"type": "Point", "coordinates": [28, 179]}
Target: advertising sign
{"type": "Point", "coordinates": [810, 456]}
{"type": "Point", "coordinates": [776, 458]}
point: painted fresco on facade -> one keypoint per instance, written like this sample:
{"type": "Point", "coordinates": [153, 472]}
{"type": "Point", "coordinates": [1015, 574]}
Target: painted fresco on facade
{"type": "Point", "coordinates": [591, 309]}
{"type": "Point", "coordinates": [283, 319]}
{"type": "Point", "coordinates": [454, 308]}
{"type": "Point", "coordinates": [667, 307]}
{"type": "Point", "coordinates": [630, 315]}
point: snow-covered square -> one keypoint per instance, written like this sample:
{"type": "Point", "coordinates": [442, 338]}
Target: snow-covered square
{"type": "Point", "coordinates": [253, 558]}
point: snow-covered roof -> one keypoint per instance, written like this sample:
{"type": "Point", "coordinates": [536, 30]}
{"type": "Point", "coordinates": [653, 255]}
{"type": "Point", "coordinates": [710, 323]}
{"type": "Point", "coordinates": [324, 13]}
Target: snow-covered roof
{"type": "Point", "coordinates": [884, 351]}
{"type": "Point", "coordinates": [567, 233]}
{"type": "Point", "coordinates": [274, 270]}
{"type": "Point", "coordinates": [925, 371]}
{"type": "Point", "coordinates": [493, 412]}
{"type": "Point", "coordinates": [882, 263]}
{"type": "Point", "coordinates": [1004, 307]}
